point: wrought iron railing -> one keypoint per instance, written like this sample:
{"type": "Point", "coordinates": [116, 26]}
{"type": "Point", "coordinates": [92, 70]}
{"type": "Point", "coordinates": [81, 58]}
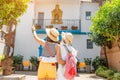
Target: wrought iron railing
{"type": "Point", "coordinates": [69, 23]}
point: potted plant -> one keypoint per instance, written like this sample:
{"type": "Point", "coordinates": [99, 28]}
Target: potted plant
{"type": "Point", "coordinates": [37, 26]}
{"type": "Point", "coordinates": [88, 62]}
{"type": "Point", "coordinates": [17, 62]}
{"type": "Point", "coordinates": [77, 65]}
{"type": "Point", "coordinates": [74, 27]}
{"type": "Point", "coordinates": [50, 26]}
{"type": "Point", "coordinates": [64, 27]}
{"type": "Point", "coordinates": [34, 61]}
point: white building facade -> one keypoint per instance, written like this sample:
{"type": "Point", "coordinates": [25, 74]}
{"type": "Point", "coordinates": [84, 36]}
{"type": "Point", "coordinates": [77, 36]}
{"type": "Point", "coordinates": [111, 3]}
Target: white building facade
{"type": "Point", "coordinates": [75, 13]}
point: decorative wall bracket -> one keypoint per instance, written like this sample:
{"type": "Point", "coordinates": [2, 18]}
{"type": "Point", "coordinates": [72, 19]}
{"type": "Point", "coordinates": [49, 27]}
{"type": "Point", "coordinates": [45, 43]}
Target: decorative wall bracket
{"type": "Point", "coordinates": [57, 15]}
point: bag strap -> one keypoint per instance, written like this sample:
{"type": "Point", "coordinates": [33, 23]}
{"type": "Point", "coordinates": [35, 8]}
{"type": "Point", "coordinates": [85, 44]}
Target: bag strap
{"type": "Point", "coordinates": [67, 48]}
{"type": "Point", "coordinates": [49, 51]}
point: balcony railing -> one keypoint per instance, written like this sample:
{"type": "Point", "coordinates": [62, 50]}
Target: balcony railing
{"type": "Point", "coordinates": [69, 23]}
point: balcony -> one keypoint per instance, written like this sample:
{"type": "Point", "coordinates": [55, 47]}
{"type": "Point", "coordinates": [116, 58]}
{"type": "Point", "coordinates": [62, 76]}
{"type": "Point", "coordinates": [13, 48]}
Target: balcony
{"type": "Point", "coordinates": [65, 22]}
{"type": "Point", "coordinates": [70, 25]}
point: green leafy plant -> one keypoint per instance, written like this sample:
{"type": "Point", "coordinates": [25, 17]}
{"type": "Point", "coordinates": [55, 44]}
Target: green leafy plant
{"type": "Point", "coordinates": [17, 59]}
{"type": "Point", "coordinates": [116, 76]}
{"type": "Point", "coordinates": [105, 24]}
{"type": "Point", "coordinates": [11, 10]}
{"type": "Point", "coordinates": [104, 72]}
{"type": "Point", "coordinates": [105, 28]}
{"type": "Point", "coordinates": [100, 71]}
{"type": "Point", "coordinates": [98, 61]}
{"type": "Point", "coordinates": [88, 61]}
{"type": "Point", "coordinates": [78, 62]}
{"type": "Point", "coordinates": [34, 60]}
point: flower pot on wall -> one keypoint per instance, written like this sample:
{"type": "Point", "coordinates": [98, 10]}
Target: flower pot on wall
{"type": "Point", "coordinates": [50, 26]}
{"type": "Point", "coordinates": [64, 27]}
{"type": "Point", "coordinates": [38, 26]}
{"type": "Point", "coordinates": [74, 27]}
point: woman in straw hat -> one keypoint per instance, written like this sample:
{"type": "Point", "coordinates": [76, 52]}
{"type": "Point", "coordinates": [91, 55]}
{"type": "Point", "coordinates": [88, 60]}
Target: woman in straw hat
{"type": "Point", "coordinates": [67, 39]}
{"type": "Point", "coordinates": [47, 67]}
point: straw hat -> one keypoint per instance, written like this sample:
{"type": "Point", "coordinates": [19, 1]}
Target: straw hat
{"type": "Point", "coordinates": [68, 37]}
{"type": "Point", "coordinates": [52, 33]}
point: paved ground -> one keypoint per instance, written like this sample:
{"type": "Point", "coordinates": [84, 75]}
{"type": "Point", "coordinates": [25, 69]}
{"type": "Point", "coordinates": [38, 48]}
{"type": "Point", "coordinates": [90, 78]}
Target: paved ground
{"type": "Point", "coordinates": [81, 76]}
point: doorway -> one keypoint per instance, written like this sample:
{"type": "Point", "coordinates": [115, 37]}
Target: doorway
{"type": "Point", "coordinates": [41, 19]}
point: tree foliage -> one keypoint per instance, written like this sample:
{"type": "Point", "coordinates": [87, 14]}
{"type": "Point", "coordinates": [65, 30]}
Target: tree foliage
{"type": "Point", "coordinates": [106, 24]}
{"type": "Point", "coordinates": [11, 9]}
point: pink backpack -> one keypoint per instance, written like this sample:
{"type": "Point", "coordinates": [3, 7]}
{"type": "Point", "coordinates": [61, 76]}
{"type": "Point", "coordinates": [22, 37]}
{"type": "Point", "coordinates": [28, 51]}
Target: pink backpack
{"type": "Point", "coordinates": [70, 66]}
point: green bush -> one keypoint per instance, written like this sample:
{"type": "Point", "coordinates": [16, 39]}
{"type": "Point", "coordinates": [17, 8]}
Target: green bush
{"type": "Point", "coordinates": [98, 61]}
{"type": "Point", "coordinates": [116, 76]}
{"type": "Point", "coordinates": [109, 73]}
{"type": "Point", "coordinates": [100, 71]}
{"type": "Point", "coordinates": [103, 71]}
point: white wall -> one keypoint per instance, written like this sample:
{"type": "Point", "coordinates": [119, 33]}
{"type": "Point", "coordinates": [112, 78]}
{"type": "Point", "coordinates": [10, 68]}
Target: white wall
{"type": "Point", "coordinates": [24, 42]}
{"type": "Point", "coordinates": [80, 43]}
{"type": "Point", "coordinates": [70, 8]}
{"type": "Point", "coordinates": [87, 6]}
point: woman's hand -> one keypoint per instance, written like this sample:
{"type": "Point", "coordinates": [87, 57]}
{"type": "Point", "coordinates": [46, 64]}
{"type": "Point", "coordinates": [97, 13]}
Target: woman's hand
{"type": "Point", "coordinates": [40, 41]}
{"type": "Point", "coordinates": [39, 58]}
{"type": "Point", "coordinates": [33, 28]}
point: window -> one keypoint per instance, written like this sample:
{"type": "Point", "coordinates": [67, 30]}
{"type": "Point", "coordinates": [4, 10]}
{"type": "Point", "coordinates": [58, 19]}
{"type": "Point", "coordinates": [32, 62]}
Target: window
{"type": "Point", "coordinates": [89, 44]}
{"type": "Point", "coordinates": [88, 15]}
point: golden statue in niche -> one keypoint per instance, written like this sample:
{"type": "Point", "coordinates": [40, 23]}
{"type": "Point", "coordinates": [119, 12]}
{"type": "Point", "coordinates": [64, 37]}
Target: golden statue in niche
{"type": "Point", "coordinates": [57, 15]}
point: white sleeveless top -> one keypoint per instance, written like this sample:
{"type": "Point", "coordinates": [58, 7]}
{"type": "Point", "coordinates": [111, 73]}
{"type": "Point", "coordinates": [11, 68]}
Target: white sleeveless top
{"type": "Point", "coordinates": [60, 72]}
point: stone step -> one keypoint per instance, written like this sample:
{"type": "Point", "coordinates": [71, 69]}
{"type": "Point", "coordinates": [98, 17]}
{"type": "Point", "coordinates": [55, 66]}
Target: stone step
{"type": "Point", "coordinates": [13, 77]}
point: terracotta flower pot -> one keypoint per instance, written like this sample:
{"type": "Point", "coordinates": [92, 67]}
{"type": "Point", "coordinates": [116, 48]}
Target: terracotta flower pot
{"type": "Point", "coordinates": [88, 68]}
{"type": "Point", "coordinates": [74, 27]}
{"type": "Point", "coordinates": [50, 26]}
{"type": "Point", "coordinates": [64, 27]}
{"type": "Point", "coordinates": [37, 26]}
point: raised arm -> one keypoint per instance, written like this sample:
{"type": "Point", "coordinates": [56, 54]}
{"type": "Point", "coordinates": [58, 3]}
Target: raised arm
{"type": "Point", "coordinates": [40, 41]}
{"type": "Point", "coordinates": [58, 56]}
